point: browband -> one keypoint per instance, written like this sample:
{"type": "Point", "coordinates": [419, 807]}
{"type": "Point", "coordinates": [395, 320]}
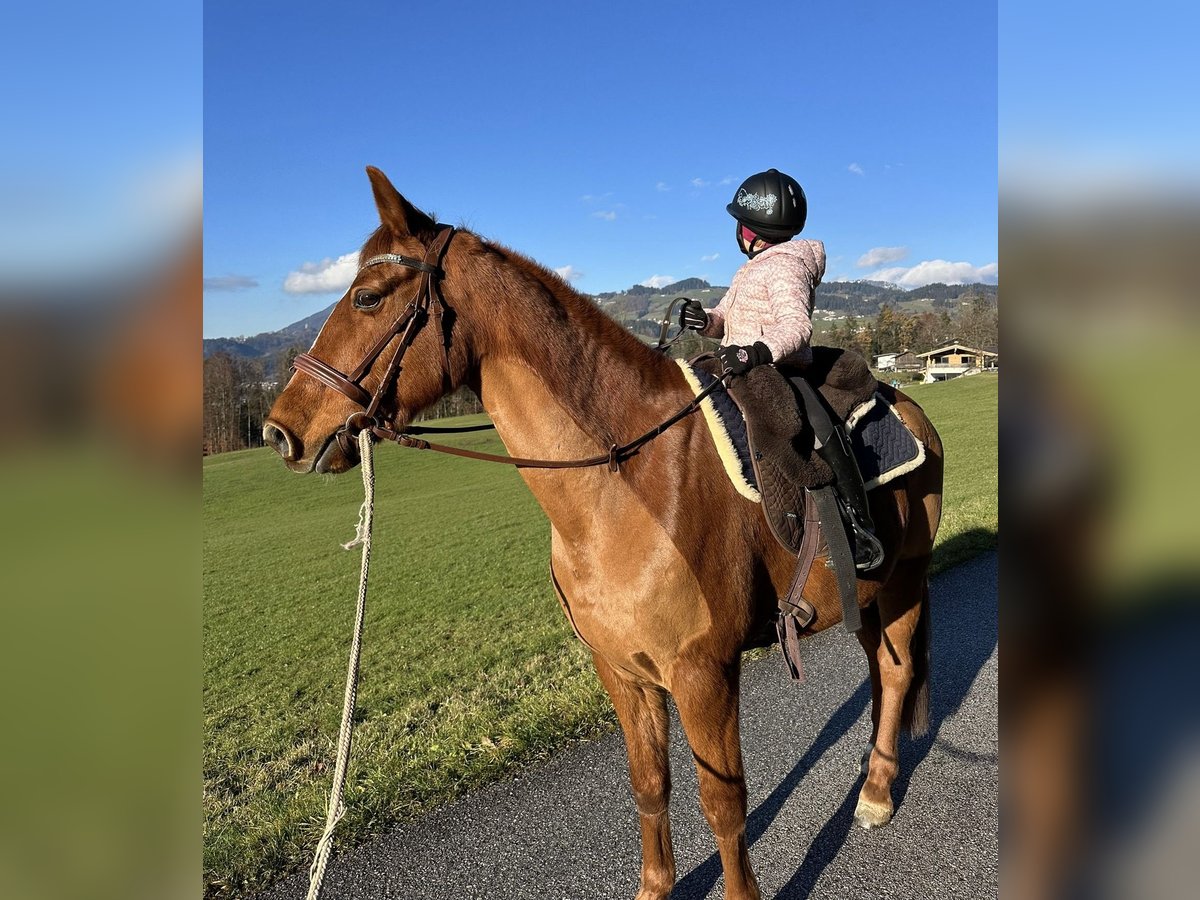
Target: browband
{"type": "Point", "coordinates": [400, 260]}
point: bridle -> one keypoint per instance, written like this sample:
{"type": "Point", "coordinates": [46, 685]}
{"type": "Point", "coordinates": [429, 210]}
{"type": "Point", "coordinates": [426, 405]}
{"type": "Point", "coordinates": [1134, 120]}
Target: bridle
{"type": "Point", "coordinates": [427, 299]}
{"type": "Point", "coordinates": [410, 321]}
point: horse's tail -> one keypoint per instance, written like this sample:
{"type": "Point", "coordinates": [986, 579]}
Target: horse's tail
{"type": "Point", "coordinates": [915, 715]}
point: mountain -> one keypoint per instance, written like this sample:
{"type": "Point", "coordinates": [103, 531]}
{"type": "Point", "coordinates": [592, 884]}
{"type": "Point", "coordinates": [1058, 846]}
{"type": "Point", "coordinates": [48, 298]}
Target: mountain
{"type": "Point", "coordinates": [269, 343]}
{"type": "Point", "coordinates": [866, 298]}
{"type": "Point", "coordinates": [641, 309]}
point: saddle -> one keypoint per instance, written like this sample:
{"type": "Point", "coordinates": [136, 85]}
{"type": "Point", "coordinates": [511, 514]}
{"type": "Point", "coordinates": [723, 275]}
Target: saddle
{"type": "Point", "coordinates": [780, 439]}
{"type": "Point", "coordinates": [795, 484]}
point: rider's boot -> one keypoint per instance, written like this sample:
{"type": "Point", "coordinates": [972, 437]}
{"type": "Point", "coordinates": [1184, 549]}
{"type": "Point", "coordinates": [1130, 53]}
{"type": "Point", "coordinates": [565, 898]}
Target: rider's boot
{"type": "Point", "coordinates": [848, 484]}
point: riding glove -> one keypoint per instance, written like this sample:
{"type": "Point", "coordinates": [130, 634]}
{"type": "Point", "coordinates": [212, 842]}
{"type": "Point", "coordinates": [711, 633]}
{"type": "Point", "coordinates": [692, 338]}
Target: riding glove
{"type": "Point", "coordinates": [693, 315]}
{"type": "Point", "coordinates": [737, 360]}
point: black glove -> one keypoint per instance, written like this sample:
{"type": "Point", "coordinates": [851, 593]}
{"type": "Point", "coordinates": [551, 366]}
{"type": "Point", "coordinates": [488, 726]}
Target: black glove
{"type": "Point", "coordinates": [737, 360]}
{"type": "Point", "coordinates": [693, 315]}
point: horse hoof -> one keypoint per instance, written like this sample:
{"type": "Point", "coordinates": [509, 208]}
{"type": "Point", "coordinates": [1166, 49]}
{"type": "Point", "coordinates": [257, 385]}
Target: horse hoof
{"type": "Point", "coordinates": [871, 815]}
{"type": "Point", "coordinates": [864, 765]}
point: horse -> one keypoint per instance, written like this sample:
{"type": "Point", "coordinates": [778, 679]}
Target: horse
{"type": "Point", "coordinates": [670, 613]}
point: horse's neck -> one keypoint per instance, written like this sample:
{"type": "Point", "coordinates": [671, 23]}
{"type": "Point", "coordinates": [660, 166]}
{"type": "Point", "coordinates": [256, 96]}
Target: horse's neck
{"type": "Point", "coordinates": [554, 372]}
{"type": "Point", "coordinates": [607, 401]}
{"type": "Point", "coordinates": [581, 503]}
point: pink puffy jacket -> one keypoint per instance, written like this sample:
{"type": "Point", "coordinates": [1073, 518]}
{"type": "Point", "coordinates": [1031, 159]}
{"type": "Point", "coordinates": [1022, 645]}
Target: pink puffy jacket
{"type": "Point", "coordinates": [771, 300]}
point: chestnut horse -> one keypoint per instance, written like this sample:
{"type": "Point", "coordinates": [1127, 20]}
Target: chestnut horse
{"type": "Point", "coordinates": [665, 571]}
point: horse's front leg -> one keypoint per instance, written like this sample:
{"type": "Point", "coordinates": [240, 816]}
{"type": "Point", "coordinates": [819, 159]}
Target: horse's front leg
{"type": "Point", "coordinates": [707, 697]}
{"type": "Point", "coordinates": [642, 710]}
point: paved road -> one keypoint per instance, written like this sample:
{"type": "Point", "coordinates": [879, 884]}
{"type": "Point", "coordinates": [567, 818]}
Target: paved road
{"type": "Point", "coordinates": [568, 829]}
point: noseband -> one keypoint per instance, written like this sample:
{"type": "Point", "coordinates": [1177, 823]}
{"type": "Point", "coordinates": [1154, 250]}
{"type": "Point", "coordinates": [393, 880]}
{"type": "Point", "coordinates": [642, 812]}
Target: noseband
{"type": "Point", "coordinates": [407, 324]}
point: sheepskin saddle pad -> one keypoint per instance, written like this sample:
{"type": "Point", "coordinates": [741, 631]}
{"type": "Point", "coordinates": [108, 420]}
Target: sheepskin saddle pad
{"type": "Point", "coordinates": [883, 445]}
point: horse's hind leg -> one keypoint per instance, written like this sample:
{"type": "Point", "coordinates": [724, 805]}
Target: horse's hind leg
{"type": "Point", "coordinates": [900, 669]}
{"type": "Point", "coordinates": [642, 710]}
{"type": "Point", "coordinates": [869, 636]}
{"type": "Point", "coordinates": [707, 698]}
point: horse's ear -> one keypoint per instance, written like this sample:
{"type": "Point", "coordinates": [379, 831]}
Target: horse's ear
{"type": "Point", "coordinates": [400, 216]}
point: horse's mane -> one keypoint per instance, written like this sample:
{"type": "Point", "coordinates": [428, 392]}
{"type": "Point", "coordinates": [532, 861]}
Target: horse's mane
{"type": "Point", "coordinates": [600, 371]}
{"type": "Point", "coordinates": [563, 302]}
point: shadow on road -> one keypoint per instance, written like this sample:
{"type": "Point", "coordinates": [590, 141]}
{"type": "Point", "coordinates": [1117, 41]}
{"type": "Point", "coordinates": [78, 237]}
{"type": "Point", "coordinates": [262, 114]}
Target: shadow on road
{"type": "Point", "coordinates": [963, 639]}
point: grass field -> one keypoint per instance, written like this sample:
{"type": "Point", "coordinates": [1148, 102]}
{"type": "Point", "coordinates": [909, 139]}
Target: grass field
{"type": "Point", "coordinates": [469, 668]}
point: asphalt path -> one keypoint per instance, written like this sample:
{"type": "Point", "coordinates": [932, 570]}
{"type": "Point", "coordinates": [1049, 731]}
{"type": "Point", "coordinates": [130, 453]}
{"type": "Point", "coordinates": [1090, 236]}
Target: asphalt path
{"type": "Point", "coordinates": [568, 829]}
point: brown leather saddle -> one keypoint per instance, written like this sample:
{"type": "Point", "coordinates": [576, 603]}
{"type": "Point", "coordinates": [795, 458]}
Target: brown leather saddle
{"type": "Point", "coordinates": [796, 485]}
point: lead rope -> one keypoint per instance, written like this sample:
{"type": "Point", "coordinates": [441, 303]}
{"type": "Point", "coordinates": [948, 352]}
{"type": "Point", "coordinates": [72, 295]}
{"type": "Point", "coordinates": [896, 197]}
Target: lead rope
{"type": "Point", "coordinates": [336, 808]}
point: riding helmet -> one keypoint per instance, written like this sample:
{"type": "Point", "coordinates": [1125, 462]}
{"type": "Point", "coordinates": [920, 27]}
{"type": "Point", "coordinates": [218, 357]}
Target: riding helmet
{"type": "Point", "coordinates": [771, 204]}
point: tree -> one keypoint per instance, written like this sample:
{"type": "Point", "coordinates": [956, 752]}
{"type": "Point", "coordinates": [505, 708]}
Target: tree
{"type": "Point", "coordinates": [220, 403]}
{"type": "Point", "coordinates": [237, 398]}
{"type": "Point", "coordinates": [842, 334]}
{"type": "Point", "coordinates": [978, 323]}
{"type": "Point", "coordinates": [945, 328]}
{"type": "Point", "coordinates": [887, 330]}
{"type": "Point", "coordinates": [926, 332]}
{"type": "Point", "coordinates": [282, 368]}
{"type": "Point", "coordinates": [863, 342]}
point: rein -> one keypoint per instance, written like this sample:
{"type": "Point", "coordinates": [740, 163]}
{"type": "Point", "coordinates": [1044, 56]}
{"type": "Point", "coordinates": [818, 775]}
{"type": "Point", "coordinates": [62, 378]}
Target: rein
{"type": "Point", "coordinates": [663, 344]}
{"type": "Point", "coordinates": [617, 454]}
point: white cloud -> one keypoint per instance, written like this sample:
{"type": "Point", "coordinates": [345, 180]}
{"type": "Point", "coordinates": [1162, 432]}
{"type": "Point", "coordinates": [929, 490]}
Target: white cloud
{"type": "Point", "coordinates": [606, 214]}
{"type": "Point", "coordinates": [710, 257]}
{"type": "Point", "coordinates": [662, 186]}
{"type": "Point", "coordinates": [325, 277]}
{"type": "Point", "coordinates": [856, 169]}
{"type": "Point", "coordinates": [699, 183]}
{"type": "Point", "coordinates": [657, 281]}
{"type": "Point", "coordinates": [877, 256]}
{"type": "Point", "coordinates": [932, 270]}
{"type": "Point", "coordinates": [569, 273]}
{"type": "Point", "coordinates": [728, 179]}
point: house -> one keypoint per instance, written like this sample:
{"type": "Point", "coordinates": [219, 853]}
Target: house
{"type": "Point", "coordinates": [956, 359]}
{"type": "Point", "coordinates": [886, 362]}
{"type": "Point", "coordinates": [899, 361]}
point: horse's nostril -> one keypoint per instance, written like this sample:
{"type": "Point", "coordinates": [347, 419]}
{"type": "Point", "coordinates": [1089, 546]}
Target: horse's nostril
{"type": "Point", "coordinates": [278, 439]}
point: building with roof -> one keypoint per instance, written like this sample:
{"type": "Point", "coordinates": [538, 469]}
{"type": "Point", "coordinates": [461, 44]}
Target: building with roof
{"type": "Point", "coordinates": [955, 359]}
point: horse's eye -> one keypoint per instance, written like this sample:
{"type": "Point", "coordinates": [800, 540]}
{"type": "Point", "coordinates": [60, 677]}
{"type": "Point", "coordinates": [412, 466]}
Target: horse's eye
{"type": "Point", "coordinates": [366, 300]}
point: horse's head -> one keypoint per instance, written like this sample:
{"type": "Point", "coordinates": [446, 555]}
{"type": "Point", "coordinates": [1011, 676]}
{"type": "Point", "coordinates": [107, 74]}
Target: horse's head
{"type": "Point", "coordinates": [384, 353]}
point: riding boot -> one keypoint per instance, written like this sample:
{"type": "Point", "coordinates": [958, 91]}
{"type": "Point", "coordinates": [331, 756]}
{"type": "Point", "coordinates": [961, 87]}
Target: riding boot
{"type": "Point", "coordinates": [848, 485]}
{"type": "Point", "coordinates": [833, 446]}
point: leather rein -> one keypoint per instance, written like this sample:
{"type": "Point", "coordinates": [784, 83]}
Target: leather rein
{"type": "Point", "coordinates": [428, 300]}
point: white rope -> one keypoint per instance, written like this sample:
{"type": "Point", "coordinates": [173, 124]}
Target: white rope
{"type": "Point", "coordinates": [336, 809]}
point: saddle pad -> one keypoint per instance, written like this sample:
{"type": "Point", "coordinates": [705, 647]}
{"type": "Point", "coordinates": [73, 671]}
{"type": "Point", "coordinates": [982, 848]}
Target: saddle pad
{"type": "Point", "coordinates": [728, 430]}
{"type": "Point", "coordinates": [883, 445]}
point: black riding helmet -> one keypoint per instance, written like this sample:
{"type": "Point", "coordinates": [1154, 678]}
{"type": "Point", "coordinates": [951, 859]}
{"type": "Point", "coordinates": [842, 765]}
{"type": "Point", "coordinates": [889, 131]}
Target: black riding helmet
{"type": "Point", "coordinates": [771, 204]}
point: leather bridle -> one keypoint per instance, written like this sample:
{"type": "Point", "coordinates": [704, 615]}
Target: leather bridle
{"type": "Point", "coordinates": [410, 321]}
{"type": "Point", "coordinates": [427, 300]}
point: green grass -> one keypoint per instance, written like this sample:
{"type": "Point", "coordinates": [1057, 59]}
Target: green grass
{"type": "Point", "coordinates": [964, 412]}
{"type": "Point", "coordinates": [469, 668]}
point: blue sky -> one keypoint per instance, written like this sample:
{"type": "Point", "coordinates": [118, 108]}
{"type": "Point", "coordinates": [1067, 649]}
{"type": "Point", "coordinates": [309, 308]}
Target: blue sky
{"type": "Point", "coordinates": [602, 139]}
